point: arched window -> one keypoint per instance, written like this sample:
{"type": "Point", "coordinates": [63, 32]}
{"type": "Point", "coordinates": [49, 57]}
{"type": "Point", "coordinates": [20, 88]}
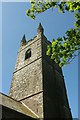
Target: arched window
{"type": "Point", "coordinates": [28, 54]}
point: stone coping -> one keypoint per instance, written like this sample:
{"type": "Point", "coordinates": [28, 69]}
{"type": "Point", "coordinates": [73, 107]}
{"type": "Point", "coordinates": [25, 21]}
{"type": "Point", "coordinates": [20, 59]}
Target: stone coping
{"type": "Point", "coordinates": [15, 105]}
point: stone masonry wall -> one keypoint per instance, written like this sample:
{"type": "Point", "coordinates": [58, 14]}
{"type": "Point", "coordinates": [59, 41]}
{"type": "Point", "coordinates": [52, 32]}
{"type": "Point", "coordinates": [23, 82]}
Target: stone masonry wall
{"type": "Point", "coordinates": [55, 100]}
{"type": "Point", "coordinates": [27, 81]}
{"type": "Point", "coordinates": [27, 75]}
{"type": "Point", "coordinates": [35, 103]}
{"type": "Point", "coordinates": [35, 46]}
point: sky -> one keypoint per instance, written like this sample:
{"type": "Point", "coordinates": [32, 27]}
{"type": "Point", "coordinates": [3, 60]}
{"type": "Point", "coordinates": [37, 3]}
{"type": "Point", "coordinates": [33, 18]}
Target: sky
{"type": "Point", "coordinates": [15, 24]}
{"type": "Point", "coordinates": [0, 45]}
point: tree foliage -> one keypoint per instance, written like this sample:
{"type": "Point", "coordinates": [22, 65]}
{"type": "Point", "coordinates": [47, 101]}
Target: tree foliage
{"type": "Point", "coordinates": [62, 50]}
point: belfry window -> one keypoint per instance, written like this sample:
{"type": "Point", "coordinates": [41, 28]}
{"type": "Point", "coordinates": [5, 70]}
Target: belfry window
{"type": "Point", "coordinates": [28, 54]}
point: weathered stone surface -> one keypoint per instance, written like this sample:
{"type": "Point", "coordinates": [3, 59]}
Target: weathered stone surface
{"type": "Point", "coordinates": [27, 81]}
{"type": "Point", "coordinates": [35, 103]}
{"type": "Point", "coordinates": [35, 46]}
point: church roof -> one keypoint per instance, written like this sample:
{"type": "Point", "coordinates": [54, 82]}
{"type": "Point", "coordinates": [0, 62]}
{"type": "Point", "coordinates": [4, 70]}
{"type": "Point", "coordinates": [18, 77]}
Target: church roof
{"type": "Point", "coordinates": [15, 105]}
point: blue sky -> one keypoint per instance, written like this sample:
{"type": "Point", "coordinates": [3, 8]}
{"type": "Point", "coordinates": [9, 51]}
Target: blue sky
{"type": "Point", "coordinates": [15, 24]}
{"type": "Point", "coordinates": [0, 45]}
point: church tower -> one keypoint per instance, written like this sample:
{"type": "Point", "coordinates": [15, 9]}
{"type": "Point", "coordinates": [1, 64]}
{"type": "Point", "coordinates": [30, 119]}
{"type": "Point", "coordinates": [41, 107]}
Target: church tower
{"type": "Point", "coordinates": [37, 81]}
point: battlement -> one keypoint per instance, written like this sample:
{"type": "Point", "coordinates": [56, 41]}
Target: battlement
{"type": "Point", "coordinates": [27, 43]}
{"type": "Point", "coordinates": [24, 43]}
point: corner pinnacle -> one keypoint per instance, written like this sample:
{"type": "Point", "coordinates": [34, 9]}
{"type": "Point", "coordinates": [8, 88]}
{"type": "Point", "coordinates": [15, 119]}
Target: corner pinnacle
{"type": "Point", "coordinates": [23, 41]}
{"type": "Point", "coordinates": [40, 28]}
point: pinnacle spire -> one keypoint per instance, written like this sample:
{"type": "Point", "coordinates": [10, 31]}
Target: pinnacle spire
{"type": "Point", "coordinates": [40, 28]}
{"type": "Point", "coordinates": [23, 41]}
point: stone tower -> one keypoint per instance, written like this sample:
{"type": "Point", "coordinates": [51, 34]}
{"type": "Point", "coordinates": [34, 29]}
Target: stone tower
{"type": "Point", "coordinates": [37, 81]}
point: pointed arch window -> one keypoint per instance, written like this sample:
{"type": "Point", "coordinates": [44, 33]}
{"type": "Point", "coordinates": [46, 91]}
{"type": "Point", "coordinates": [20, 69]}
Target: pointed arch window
{"type": "Point", "coordinates": [28, 54]}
